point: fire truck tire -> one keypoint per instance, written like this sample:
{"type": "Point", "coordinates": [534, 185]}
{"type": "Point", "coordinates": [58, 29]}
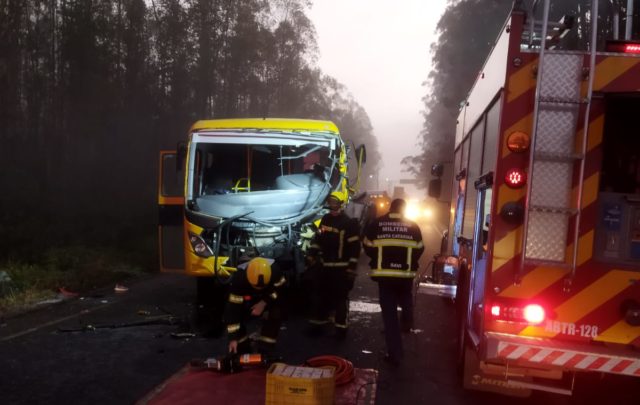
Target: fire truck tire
{"type": "Point", "coordinates": [461, 345]}
{"type": "Point", "coordinates": [462, 299]}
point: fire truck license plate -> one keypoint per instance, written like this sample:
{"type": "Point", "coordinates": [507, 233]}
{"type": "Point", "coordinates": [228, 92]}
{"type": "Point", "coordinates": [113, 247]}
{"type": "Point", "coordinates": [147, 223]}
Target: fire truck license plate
{"type": "Point", "coordinates": [571, 329]}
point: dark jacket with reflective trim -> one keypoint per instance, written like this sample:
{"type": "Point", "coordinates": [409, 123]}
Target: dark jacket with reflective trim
{"type": "Point", "coordinates": [241, 291]}
{"type": "Point", "coordinates": [394, 245]}
{"type": "Point", "coordinates": [337, 242]}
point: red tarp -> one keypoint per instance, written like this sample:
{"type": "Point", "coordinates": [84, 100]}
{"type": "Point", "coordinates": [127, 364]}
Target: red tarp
{"type": "Point", "coordinates": [245, 388]}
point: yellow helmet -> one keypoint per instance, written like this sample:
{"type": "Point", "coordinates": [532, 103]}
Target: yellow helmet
{"type": "Point", "coordinates": [259, 272]}
{"type": "Point", "coordinates": [338, 196]}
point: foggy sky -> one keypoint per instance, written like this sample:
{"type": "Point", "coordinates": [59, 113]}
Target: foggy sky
{"type": "Point", "coordinates": [380, 50]}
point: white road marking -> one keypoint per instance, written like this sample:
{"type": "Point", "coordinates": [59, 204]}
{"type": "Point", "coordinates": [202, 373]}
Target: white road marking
{"type": "Point", "coordinates": [361, 306]}
{"type": "Point", "coordinates": [53, 322]}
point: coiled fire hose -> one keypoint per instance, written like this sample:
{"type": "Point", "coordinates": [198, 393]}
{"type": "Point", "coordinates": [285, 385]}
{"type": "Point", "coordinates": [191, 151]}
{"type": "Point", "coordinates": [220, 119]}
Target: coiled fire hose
{"type": "Point", "coordinates": [344, 372]}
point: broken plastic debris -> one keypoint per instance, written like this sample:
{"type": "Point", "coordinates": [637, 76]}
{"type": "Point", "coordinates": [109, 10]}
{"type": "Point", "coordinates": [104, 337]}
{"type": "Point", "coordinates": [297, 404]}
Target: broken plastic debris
{"type": "Point", "coordinates": [66, 293]}
{"type": "Point", "coordinates": [183, 335]}
{"type": "Point", "coordinates": [119, 288]}
{"type": "Point", "coordinates": [49, 301]}
{"type": "Point", "coordinates": [143, 312]}
{"type": "Point", "coordinates": [367, 351]}
{"type": "Point", "coordinates": [104, 302]}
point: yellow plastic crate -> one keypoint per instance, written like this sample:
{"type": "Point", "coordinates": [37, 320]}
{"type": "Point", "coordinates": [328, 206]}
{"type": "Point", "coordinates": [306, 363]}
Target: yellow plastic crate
{"type": "Point", "coordinates": [296, 385]}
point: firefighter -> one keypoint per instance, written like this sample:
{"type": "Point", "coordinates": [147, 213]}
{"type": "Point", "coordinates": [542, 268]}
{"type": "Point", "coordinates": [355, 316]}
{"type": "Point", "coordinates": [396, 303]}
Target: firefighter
{"type": "Point", "coordinates": [394, 245]}
{"type": "Point", "coordinates": [254, 289]}
{"type": "Point", "coordinates": [333, 260]}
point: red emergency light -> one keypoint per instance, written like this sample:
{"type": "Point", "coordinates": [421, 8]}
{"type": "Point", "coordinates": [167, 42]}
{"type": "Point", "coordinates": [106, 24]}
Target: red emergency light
{"type": "Point", "coordinates": [623, 47]}
{"type": "Point", "coordinates": [533, 314]}
{"type": "Point", "coordinates": [515, 178]}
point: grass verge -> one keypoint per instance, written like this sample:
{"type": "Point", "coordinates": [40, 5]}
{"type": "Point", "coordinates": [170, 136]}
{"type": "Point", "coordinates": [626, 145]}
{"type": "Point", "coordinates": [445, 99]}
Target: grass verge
{"type": "Point", "coordinates": [74, 268]}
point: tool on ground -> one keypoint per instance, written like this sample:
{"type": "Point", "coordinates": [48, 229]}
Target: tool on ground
{"type": "Point", "coordinates": [234, 363]}
{"type": "Point", "coordinates": [153, 320]}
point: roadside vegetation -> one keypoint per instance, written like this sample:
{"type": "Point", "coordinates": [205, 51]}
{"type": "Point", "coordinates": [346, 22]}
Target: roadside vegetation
{"type": "Point", "coordinates": [91, 91]}
{"type": "Point", "coordinates": [64, 272]}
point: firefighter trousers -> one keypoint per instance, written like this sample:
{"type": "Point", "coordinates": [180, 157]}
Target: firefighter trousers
{"type": "Point", "coordinates": [393, 293]}
{"type": "Point", "coordinates": [270, 326]}
{"type": "Point", "coordinates": [330, 293]}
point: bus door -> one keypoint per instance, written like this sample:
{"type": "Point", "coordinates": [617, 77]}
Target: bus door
{"type": "Point", "coordinates": [171, 212]}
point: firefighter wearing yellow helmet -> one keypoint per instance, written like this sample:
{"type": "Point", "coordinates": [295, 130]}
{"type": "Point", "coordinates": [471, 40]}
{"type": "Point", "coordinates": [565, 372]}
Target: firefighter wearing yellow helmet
{"type": "Point", "coordinates": [332, 260]}
{"type": "Point", "coordinates": [254, 289]}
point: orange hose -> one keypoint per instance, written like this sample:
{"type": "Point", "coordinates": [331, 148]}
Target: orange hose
{"type": "Point", "coordinates": [344, 371]}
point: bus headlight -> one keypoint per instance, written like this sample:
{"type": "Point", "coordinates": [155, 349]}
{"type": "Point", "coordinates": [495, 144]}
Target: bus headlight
{"type": "Point", "coordinates": [199, 246]}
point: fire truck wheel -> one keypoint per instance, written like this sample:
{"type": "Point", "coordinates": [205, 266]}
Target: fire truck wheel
{"type": "Point", "coordinates": [462, 299]}
{"type": "Point", "coordinates": [461, 345]}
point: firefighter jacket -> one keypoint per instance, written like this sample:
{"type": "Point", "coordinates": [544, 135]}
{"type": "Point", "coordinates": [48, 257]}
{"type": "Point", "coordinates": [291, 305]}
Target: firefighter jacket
{"type": "Point", "coordinates": [241, 293]}
{"type": "Point", "coordinates": [337, 242]}
{"type": "Point", "coordinates": [394, 245]}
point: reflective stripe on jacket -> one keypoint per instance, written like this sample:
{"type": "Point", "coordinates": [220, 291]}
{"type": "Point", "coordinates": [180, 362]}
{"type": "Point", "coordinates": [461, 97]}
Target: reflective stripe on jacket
{"type": "Point", "coordinates": [241, 291]}
{"type": "Point", "coordinates": [394, 245]}
{"type": "Point", "coordinates": [337, 242]}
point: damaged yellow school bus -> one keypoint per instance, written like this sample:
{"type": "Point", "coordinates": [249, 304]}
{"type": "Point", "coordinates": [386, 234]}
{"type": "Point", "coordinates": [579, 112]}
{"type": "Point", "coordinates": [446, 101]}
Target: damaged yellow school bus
{"type": "Point", "coordinates": [243, 188]}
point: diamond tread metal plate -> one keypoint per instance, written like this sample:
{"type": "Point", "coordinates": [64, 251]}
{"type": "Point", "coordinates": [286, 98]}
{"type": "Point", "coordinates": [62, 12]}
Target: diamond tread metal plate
{"type": "Point", "coordinates": [547, 236]}
{"type": "Point", "coordinates": [551, 184]}
{"type": "Point", "coordinates": [556, 131]}
{"type": "Point", "coordinates": [561, 76]}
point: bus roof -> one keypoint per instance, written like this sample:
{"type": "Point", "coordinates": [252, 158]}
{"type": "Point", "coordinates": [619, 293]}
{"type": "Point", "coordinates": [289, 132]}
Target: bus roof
{"type": "Point", "coordinates": [284, 124]}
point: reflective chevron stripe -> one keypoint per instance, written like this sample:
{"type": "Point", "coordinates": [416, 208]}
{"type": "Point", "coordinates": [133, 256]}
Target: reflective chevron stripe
{"type": "Point", "coordinates": [569, 359]}
{"type": "Point", "coordinates": [596, 290]}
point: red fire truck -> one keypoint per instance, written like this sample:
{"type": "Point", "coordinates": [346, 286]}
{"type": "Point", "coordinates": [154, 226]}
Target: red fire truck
{"type": "Point", "coordinates": [545, 225]}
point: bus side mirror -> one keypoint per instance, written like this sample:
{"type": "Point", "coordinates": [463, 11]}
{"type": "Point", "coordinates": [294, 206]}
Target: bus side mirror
{"type": "Point", "coordinates": [435, 188]}
{"type": "Point", "coordinates": [437, 170]}
{"type": "Point", "coordinates": [361, 154]}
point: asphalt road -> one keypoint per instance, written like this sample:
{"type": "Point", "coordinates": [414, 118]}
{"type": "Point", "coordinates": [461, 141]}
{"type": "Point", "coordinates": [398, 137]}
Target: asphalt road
{"type": "Point", "coordinates": [39, 364]}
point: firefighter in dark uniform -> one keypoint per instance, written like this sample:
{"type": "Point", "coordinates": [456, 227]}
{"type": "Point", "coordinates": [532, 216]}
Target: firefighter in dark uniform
{"type": "Point", "coordinates": [394, 245]}
{"type": "Point", "coordinates": [333, 260]}
{"type": "Point", "coordinates": [254, 289]}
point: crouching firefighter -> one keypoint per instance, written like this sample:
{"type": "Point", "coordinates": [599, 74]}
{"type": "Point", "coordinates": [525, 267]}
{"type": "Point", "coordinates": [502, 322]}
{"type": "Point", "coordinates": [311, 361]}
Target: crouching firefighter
{"type": "Point", "coordinates": [394, 244]}
{"type": "Point", "coordinates": [254, 290]}
{"type": "Point", "coordinates": [333, 260]}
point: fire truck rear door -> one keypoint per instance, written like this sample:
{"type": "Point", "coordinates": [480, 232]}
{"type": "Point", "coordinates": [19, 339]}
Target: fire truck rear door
{"type": "Point", "coordinates": [170, 213]}
{"type": "Point", "coordinates": [475, 313]}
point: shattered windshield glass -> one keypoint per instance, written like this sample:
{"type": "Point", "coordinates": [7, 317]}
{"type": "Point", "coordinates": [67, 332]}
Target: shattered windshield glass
{"type": "Point", "coordinates": [265, 181]}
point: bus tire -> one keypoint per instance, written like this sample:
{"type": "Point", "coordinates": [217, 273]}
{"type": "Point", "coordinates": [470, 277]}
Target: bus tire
{"type": "Point", "coordinates": [211, 297]}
